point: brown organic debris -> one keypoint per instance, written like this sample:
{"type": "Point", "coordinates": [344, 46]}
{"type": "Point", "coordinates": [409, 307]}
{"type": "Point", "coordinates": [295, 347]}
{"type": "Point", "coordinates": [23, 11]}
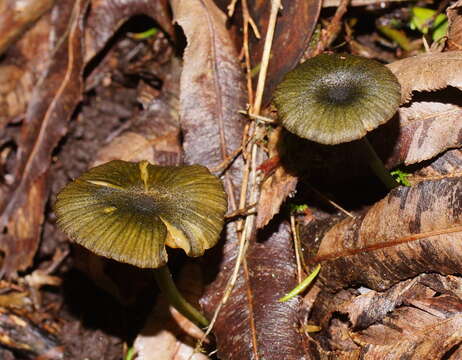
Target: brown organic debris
{"type": "Point", "coordinates": [428, 72]}
{"type": "Point", "coordinates": [411, 231]}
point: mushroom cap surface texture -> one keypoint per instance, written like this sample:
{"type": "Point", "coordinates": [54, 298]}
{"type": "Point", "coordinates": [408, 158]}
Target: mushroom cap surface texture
{"type": "Point", "coordinates": [337, 98]}
{"type": "Point", "coordinates": [129, 211]}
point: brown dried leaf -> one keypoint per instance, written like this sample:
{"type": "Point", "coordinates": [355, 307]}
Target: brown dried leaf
{"type": "Point", "coordinates": [426, 130]}
{"type": "Point", "coordinates": [25, 62]}
{"type": "Point", "coordinates": [51, 105]}
{"type": "Point", "coordinates": [427, 330]}
{"type": "Point", "coordinates": [447, 165]}
{"type": "Point", "coordinates": [276, 188]}
{"type": "Point", "coordinates": [411, 231]}
{"type": "Point", "coordinates": [155, 133]}
{"type": "Point", "coordinates": [20, 334]}
{"type": "Point", "coordinates": [295, 25]}
{"type": "Point", "coordinates": [211, 87]}
{"type": "Point", "coordinates": [453, 12]}
{"type": "Point", "coordinates": [428, 72]}
{"type": "Point", "coordinates": [254, 324]}
{"type": "Point", "coordinates": [17, 16]}
{"type": "Point", "coordinates": [401, 321]}
{"type": "Point", "coordinates": [106, 16]}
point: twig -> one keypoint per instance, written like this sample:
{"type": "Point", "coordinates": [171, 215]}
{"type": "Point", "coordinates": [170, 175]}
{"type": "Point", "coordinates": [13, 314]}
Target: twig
{"type": "Point", "coordinates": [231, 7]}
{"type": "Point", "coordinates": [330, 34]}
{"type": "Point", "coordinates": [226, 162]}
{"type": "Point", "coordinates": [252, 167]}
{"type": "Point", "coordinates": [258, 117]}
{"type": "Point", "coordinates": [297, 247]}
{"type": "Point", "coordinates": [331, 202]}
{"type": "Point", "coordinates": [241, 212]}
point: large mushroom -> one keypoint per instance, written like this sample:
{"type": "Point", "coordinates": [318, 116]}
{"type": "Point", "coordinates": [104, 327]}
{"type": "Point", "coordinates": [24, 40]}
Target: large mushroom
{"type": "Point", "coordinates": [129, 212]}
{"type": "Point", "coordinates": [337, 98]}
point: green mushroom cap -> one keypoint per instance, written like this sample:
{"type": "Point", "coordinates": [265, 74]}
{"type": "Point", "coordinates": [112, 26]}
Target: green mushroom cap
{"type": "Point", "coordinates": [129, 211]}
{"type": "Point", "coordinates": [332, 99]}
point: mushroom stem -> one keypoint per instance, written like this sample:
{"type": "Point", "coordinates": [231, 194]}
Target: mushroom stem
{"type": "Point", "coordinates": [168, 287]}
{"type": "Point", "coordinates": [377, 166]}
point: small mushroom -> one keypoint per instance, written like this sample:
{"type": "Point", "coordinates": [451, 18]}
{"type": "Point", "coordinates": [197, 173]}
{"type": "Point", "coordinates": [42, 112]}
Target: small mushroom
{"type": "Point", "coordinates": [337, 98]}
{"type": "Point", "coordinates": [129, 212]}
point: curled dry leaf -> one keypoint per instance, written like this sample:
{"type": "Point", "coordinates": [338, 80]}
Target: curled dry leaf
{"type": "Point", "coordinates": [401, 321]}
{"type": "Point", "coordinates": [426, 130]}
{"type": "Point", "coordinates": [446, 166]}
{"type": "Point", "coordinates": [51, 105]}
{"type": "Point", "coordinates": [276, 187]}
{"type": "Point", "coordinates": [411, 231]}
{"type": "Point", "coordinates": [453, 12]}
{"type": "Point", "coordinates": [211, 87]}
{"type": "Point", "coordinates": [17, 16]}
{"type": "Point", "coordinates": [106, 16]}
{"type": "Point", "coordinates": [428, 72]}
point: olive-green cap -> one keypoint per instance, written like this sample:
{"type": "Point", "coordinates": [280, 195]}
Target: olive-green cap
{"type": "Point", "coordinates": [337, 98]}
{"type": "Point", "coordinates": [129, 211]}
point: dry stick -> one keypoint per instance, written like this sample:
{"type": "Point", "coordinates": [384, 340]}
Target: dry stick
{"type": "Point", "coordinates": [231, 7]}
{"type": "Point", "coordinates": [329, 201]}
{"type": "Point", "coordinates": [334, 27]}
{"type": "Point", "coordinates": [297, 247]}
{"type": "Point", "coordinates": [249, 221]}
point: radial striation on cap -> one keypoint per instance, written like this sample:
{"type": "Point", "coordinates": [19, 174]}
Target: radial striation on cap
{"type": "Point", "coordinates": [130, 211]}
{"type": "Point", "coordinates": [337, 98]}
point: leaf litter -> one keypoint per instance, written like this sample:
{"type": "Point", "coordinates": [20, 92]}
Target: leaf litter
{"type": "Point", "coordinates": [83, 91]}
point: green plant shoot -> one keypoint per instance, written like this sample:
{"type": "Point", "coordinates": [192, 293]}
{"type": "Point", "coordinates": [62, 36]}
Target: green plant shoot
{"type": "Point", "coordinates": [302, 286]}
{"type": "Point", "coordinates": [421, 18]}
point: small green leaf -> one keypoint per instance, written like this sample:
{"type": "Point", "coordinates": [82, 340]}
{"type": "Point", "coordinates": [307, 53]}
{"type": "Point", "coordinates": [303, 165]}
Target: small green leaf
{"type": "Point", "coordinates": [298, 208]}
{"type": "Point", "coordinates": [302, 286]}
{"type": "Point", "coordinates": [130, 211]}
{"type": "Point", "coordinates": [145, 34]}
{"type": "Point", "coordinates": [421, 18]}
{"type": "Point", "coordinates": [401, 177]}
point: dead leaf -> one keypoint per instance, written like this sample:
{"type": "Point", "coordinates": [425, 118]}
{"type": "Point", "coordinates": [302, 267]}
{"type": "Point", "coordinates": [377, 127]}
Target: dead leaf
{"type": "Point", "coordinates": [253, 324]}
{"type": "Point", "coordinates": [288, 45]}
{"type": "Point", "coordinates": [51, 105]}
{"type": "Point", "coordinates": [428, 72]}
{"type": "Point", "coordinates": [106, 16]}
{"type": "Point", "coordinates": [454, 41]}
{"type": "Point", "coordinates": [22, 335]}
{"type": "Point", "coordinates": [155, 132]}
{"type": "Point", "coordinates": [411, 231]}
{"type": "Point", "coordinates": [414, 331]}
{"type": "Point", "coordinates": [276, 188]}
{"type": "Point", "coordinates": [211, 88]}
{"type": "Point", "coordinates": [19, 71]}
{"type": "Point", "coordinates": [17, 16]}
{"type": "Point", "coordinates": [409, 319]}
{"type": "Point", "coordinates": [446, 166]}
{"type": "Point", "coordinates": [426, 130]}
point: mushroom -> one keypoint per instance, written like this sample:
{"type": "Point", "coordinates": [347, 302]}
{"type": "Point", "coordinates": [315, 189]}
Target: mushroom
{"type": "Point", "coordinates": [130, 211]}
{"type": "Point", "coordinates": [337, 98]}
